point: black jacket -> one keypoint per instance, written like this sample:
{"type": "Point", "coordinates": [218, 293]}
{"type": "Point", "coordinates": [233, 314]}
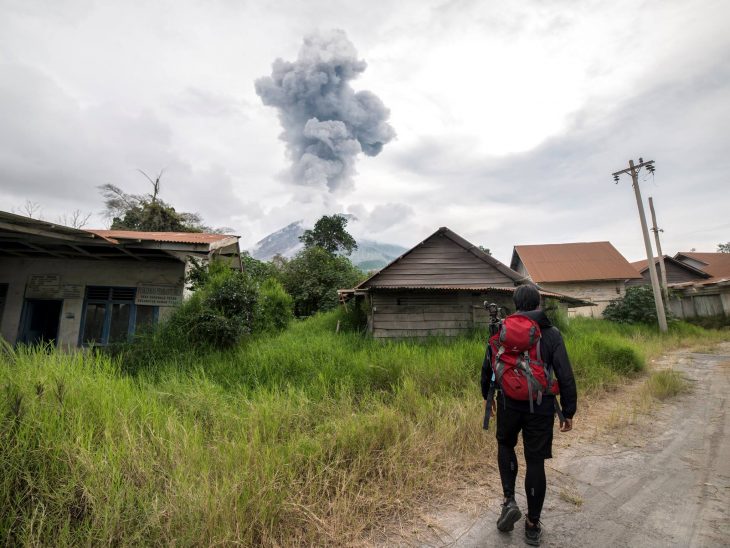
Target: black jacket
{"type": "Point", "coordinates": [552, 349]}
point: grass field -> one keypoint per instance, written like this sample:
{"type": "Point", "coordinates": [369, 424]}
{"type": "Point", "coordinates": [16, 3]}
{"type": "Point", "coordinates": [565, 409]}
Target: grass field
{"type": "Point", "coordinates": [305, 437]}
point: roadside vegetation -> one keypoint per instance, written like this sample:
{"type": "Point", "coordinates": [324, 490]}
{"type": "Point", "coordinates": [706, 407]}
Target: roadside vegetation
{"type": "Point", "coordinates": [665, 383]}
{"type": "Point", "coordinates": [296, 435]}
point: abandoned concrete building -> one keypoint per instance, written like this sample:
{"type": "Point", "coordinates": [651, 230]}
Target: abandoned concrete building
{"type": "Point", "coordinates": [75, 287]}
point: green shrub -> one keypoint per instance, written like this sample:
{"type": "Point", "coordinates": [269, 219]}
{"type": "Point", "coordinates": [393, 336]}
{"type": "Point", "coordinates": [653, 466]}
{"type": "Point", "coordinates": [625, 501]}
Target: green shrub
{"type": "Point", "coordinates": [636, 306]}
{"type": "Point", "coordinates": [222, 312]}
{"type": "Point", "coordinates": [233, 295]}
{"type": "Point", "coordinates": [275, 307]}
{"type": "Point", "coordinates": [201, 272]}
{"type": "Point", "coordinates": [313, 277]}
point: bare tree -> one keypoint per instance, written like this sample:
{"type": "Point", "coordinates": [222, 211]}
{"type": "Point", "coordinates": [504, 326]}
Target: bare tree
{"type": "Point", "coordinates": [155, 184]}
{"type": "Point", "coordinates": [29, 209]}
{"type": "Point", "coordinates": [76, 219]}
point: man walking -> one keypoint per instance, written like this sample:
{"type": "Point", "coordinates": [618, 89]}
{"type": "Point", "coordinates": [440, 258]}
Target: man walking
{"type": "Point", "coordinates": [534, 416]}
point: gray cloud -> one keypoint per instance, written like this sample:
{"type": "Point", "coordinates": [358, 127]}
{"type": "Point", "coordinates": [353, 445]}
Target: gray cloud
{"type": "Point", "coordinates": [55, 152]}
{"type": "Point", "coordinates": [562, 190]}
{"type": "Point", "coordinates": [326, 123]}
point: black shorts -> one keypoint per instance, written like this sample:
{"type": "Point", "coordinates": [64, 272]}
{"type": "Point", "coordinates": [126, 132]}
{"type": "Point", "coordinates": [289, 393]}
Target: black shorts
{"type": "Point", "coordinates": [537, 431]}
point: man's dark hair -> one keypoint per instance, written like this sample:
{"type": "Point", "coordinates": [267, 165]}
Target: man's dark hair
{"type": "Point", "coordinates": [526, 298]}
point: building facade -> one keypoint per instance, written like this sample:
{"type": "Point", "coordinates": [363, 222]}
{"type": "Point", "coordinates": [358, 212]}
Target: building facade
{"type": "Point", "coordinates": [591, 271]}
{"type": "Point", "coordinates": [74, 287]}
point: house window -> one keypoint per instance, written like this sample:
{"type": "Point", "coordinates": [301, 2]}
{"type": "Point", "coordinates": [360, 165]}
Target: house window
{"type": "Point", "coordinates": [110, 315]}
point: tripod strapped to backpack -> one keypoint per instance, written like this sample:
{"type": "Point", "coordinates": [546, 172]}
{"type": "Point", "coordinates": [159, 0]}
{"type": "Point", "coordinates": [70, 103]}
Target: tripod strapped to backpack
{"type": "Point", "coordinates": [494, 322]}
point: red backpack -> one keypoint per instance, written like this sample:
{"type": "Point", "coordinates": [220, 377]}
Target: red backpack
{"type": "Point", "coordinates": [516, 361]}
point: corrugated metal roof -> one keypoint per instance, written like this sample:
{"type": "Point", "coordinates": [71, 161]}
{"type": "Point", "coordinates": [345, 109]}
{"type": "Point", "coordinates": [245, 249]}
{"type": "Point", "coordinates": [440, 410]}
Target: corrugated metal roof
{"type": "Point", "coordinates": [443, 287]}
{"type": "Point", "coordinates": [501, 289]}
{"type": "Point", "coordinates": [573, 262]}
{"type": "Point", "coordinates": [171, 237]}
{"type": "Point", "coordinates": [718, 264]}
{"type": "Point", "coordinates": [28, 225]}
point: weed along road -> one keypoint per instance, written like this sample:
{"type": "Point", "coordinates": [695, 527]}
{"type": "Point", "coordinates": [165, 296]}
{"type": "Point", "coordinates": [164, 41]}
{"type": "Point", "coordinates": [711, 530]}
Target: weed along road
{"type": "Point", "coordinates": [662, 481]}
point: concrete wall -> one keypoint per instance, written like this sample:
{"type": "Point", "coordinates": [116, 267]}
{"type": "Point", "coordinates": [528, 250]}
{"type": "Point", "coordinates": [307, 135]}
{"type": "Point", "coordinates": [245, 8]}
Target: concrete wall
{"type": "Point", "coordinates": [707, 302]}
{"type": "Point", "coordinates": [127, 273]}
{"type": "Point", "coordinates": [600, 293]}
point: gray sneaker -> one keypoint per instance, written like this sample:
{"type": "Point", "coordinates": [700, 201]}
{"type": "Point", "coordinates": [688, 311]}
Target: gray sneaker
{"type": "Point", "coordinates": [533, 533]}
{"type": "Point", "coordinates": [509, 516]}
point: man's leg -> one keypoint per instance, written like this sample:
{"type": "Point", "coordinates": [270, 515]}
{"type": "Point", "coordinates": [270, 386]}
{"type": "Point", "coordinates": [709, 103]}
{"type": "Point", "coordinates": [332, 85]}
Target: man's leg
{"type": "Point", "coordinates": [508, 427]}
{"type": "Point", "coordinates": [537, 435]}
{"type": "Point", "coordinates": [535, 487]}
{"type": "Point", "coordinates": [507, 460]}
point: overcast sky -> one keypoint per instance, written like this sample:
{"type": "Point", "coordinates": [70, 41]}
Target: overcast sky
{"type": "Point", "coordinates": [509, 116]}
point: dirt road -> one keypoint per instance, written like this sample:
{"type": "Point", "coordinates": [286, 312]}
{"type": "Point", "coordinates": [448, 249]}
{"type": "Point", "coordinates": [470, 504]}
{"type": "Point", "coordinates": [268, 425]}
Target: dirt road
{"type": "Point", "coordinates": [662, 482]}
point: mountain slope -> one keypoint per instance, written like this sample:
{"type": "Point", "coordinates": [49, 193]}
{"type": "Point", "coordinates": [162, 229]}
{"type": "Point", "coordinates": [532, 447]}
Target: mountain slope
{"type": "Point", "coordinates": [369, 255]}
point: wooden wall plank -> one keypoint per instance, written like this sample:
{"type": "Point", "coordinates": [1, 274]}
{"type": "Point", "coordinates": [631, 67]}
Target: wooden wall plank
{"type": "Point", "coordinates": [428, 325]}
{"type": "Point", "coordinates": [405, 333]}
{"type": "Point", "coordinates": [418, 309]}
{"type": "Point", "coordinates": [440, 261]}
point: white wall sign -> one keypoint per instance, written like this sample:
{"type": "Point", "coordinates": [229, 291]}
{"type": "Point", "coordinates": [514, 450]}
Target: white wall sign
{"type": "Point", "coordinates": [158, 295]}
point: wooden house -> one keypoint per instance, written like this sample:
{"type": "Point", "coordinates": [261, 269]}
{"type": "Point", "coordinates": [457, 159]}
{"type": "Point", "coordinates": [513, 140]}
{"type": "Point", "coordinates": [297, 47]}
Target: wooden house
{"type": "Point", "coordinates": [702, 297]}
{"type": "Point", "coordinates": [717, 265]}
{"type": "Point", "coordinates": [437, 288]}
{"type": "Point", "coordinates": [592, 271]}
{"type": "Point", "coordinates": [677, 272]}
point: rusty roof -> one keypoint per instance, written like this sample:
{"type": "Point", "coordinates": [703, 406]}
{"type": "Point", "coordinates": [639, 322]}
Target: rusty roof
{"type": "Point", "coordinates": [717, 264]}
{"type": "Point", "coordinates": [572, 262]}
{"type": "Point", "coordinates": [169, 237]}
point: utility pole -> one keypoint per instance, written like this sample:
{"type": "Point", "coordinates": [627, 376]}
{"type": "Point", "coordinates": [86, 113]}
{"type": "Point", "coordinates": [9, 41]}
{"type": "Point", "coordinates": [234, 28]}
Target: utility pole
{"type": "Point", "coordinates": [633, 170]}
{"type": "Point", "coordinates": [662, 268]}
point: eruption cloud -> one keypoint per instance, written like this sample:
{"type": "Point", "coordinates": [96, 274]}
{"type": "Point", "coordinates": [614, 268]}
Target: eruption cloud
{"type": "Point", "coordinates": [326, 123]}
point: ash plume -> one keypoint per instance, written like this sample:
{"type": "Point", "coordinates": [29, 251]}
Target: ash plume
{"type": "Point", "coordinates": [326, 123]}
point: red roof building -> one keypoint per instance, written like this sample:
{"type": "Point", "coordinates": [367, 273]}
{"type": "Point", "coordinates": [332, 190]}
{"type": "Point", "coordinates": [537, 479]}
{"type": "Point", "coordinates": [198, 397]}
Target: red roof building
{"type": "Point", "coordinates": [593, 271]}
{"type": "Point", "coordinates": [717, 265]}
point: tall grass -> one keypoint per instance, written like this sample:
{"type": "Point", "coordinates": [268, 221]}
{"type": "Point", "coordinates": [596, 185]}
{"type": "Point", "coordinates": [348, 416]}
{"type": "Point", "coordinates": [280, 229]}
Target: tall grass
{"type": "Point", "coordinates": [664, 384]}
{"type": "Point", "coordinates": [305, 437]}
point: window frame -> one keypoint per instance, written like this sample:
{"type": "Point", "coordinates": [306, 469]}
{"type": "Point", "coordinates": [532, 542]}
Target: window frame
{"type": "Point", "coordinates": [109, 303]}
